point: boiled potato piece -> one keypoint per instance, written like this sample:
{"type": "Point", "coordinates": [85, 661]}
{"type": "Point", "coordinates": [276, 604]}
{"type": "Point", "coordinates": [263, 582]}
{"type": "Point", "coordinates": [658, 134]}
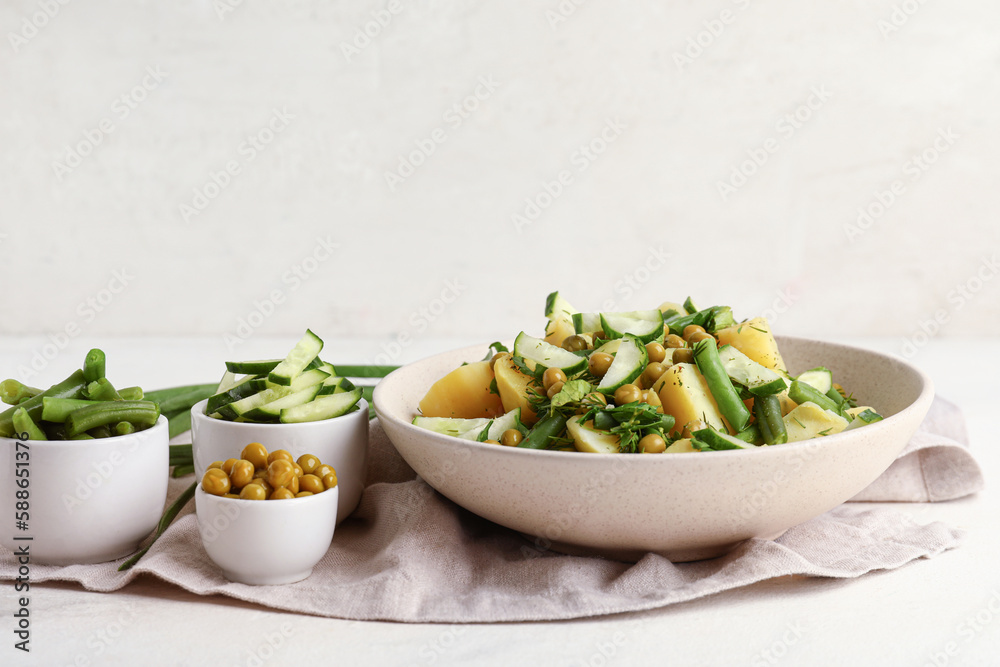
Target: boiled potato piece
{"type": "Point", "coordinates": [559, 329]}
{"type": "Point", "coordinates": [753, 338]}
{"type": "Point", "coordinates": [586, 439]}
{"type": "Point", "coordinates": [463, 393]}
{"type": "Point", "coordinates": [513, 387]}
{"type": "Point", "coordinates": [682, 446]}
{"type": "Point", "coordinates": [808, 420]}
{"type": "Point", "coordinates": [684, 393]}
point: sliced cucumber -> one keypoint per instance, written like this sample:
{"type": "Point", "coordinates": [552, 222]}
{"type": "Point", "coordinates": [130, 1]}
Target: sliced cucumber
{"type": "Point", "coordinates": [548, 355]}
{"type": "Point", "coordinates": [717, 441]}
{"type": "Point", "coordinates": [820, 378]}
{"type": "Point", "coordinates": [304, 352]}
{"type": "Point", "coordinates": [270, 412]}
{"type": "Point", "coordinates": [647, 328]}
{"type": "Point", "coordinates": [228, 381]}
{"type": "Point", "coordinates": [252, 402]}
{"type": "Point", "coordinates": [862, 417]}
{"type": "Point", "coordinates": [629, 363]}
{"type": "Point", "coordinates": [309, 378]}
{"type": "Point", "coordinates": [248, 386]}
{"type": "Point", "coordinates": [587, 439]}
{"type": "Point", "coordinates": [258, 367]}
{"type": "Point", "coordinates": [322, 407]}
{"type": "Point", "coordinates": [510, 420]}
{"type": "Point", "coordinates": [759, 380]}
{"type": "Point", "coordinates": [466, 429]}
{"type": "Point", "coordinates": [557, 307]}
{"type": "Point", "coordinates": [586, 322]}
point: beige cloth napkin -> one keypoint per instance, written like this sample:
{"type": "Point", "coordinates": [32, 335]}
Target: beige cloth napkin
{"type": "Point", "coordinates": [409, 554]}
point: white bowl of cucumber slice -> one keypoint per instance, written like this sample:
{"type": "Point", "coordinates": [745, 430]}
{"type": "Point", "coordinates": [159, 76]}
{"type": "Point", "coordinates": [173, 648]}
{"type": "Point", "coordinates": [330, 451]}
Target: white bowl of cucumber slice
{"type": "Point", "coordinates": [686, 507]}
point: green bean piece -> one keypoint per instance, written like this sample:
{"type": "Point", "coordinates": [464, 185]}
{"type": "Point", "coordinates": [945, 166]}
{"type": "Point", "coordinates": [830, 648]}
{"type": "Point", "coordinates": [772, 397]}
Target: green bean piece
{"type": "Point", "coordinates": [124, 428]}
{"type": "Point", "coordinates": [165, 522]}
{"type": "Point", "coordinates": [13, 392]}
{"type": "Point", "coordinates": [541, 435]}
{"type": "Point", "coordinates": [82, 436]}
{"type": "Point", "coordinates": [93, 365]}
{"type": "Point", "coordinates": [140, 413]}
{"type": "Point", "coordinates": [23, 423]}
{"type": "Point", "coordinates": [370, 371]}
{"type": "Point", "coordinates": [751, 434]}
{"type": "Point", "coordinates": [181, 454]}
{"type": "Point", "coordinates": [102, 390]}
{"type": "Point", "coordinates": [179, 423]}
{"type": "Point", "coordinates": [182, 470]}
{"type": "Point", "coordinates": [131, 394]}
{"type": "Point", "coordinates": [768, 412]}
{"type": "Point", "coordinates": [52, 431]}
{"type": "Point", "coordinates": [800, 392]}
{"type": "Point", "coordinates": [706, 356]}
{"type": "Point", "coordinates": [176, 399]}
{"type": "Point", "coordinates": [57, 409]}
{"type": "Point", "coordinates": [100, 432]}
{"type": "Point", "coordinates": [71, 387]}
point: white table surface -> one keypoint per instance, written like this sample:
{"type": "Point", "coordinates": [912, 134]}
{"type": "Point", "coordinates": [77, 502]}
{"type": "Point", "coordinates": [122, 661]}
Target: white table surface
{"type": "Point", "coordinates": [913, 615]}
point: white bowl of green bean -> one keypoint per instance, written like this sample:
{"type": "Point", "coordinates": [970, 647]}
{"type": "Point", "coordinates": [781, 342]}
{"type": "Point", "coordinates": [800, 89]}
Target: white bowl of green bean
{"type": "Point", "coordinates": [82, 501]}
{"type": "Point", "coordinates": [685, 507]}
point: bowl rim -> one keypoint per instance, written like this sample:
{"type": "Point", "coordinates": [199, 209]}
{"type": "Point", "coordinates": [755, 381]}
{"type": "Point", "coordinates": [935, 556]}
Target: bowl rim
{"type": "Point", "coordinates": [198, 412]}
{"type": "Point", "coordinates": [161, 423]}
{"type": "Point", "coordinates": [921, 403]}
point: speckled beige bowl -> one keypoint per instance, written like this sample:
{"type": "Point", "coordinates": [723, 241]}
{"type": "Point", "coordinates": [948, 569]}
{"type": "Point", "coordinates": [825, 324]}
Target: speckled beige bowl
{"type": "Point", "coordinates": [684, 506]}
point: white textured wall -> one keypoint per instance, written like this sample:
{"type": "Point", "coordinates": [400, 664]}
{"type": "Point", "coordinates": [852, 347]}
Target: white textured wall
{"type": "Point", "coordinates": [888, 81]}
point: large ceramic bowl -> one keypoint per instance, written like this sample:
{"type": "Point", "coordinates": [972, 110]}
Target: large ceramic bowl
{"type": "Point", "coordinates": [89, 501]}
{"type": "Point", "coordinates": [684, 506]}
{"type": "Point", "coordinates": [342, 442]}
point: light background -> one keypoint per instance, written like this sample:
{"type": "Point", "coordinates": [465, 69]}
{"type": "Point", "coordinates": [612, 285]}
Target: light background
{"type": "Point", "coordinates": [886, 79]}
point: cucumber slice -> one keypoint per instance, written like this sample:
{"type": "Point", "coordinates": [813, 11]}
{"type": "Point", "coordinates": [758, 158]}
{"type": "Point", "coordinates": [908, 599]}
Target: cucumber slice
{"type": "Point", "coordinates": [322, 407]}
{"type": "Point", "coordinates": [862, 417]}
{"type": "Point", "coordinates": [510, 420]}
{"type": "Point", "coordinates": [586, 439]}
{"type": "Point", "coordinates": [257, 367]}
{"type": "Point", "coordinates": [557, 307]}
{"type": "Point", "coordinates": [305, 351]}
{"type": "Point", "coordinates": [228, 381]}
{"type": "Point", "coordinates": [248, 386]}
{"type": "Point", "coordinates": [270, 412]}
{"type": "Point", "coordinates": [252, 402]}
{"type": "Point", "coordinates": [548, 355]}
{"type": "Point", "coordinates": [466, 429]}
{"type": "Point", "coordinates": [717, 441]}
{"type": "Point", "coordinates": [647, 328]}
{"type": "Point", "coordinates": [586, 322]}
{"type": "Point", "coordinates": [629, 363]}
{"type": "Point", "coordinates": [308, 378]}
{"type": "Point", "coordinates": [759, 380]}
{"type": "Point", "coordinates": [820, 378]}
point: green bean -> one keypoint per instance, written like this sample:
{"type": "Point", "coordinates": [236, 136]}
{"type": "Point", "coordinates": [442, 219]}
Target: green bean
{"type": "Point", "coordinates": [177, 399]}
{"type": "Point", "coordinates": [94, 365]}
{"type": "Point", "coordinates": [165, 522]}
{"type": "Point", "coordinates": [706, 356]}
{"type": "Point", "coordinates": [800, 392]}
{"type": "Point", "coordinates": [13, 392]}
{"type": "Point", "coordinates": [772, 426]}
{"type": "Point", "coordinates": [124, 428]}
{"type": "Point", "coordinates": [131, 394]}
{"type": "Point", "coordinates": [52, 431]}
{"type": "Point", "coordinates": [542, 433]}
{"type": "Point", "coordinates": [182, 470]}
{"type": "Point", "coordinates": [24, 424]}
{"type": "Point", "coordinates": [102, 390]}
{"type": "Point", "coordinates": [57, 409]}
{"type": "Point", "coordinates": [179, 423]}
{"type": "Point", "coordinates": [82, 436]}
{"type": "Point", "coordinates": [103, 431]}
{"type": "Point", "coordinates": [140, 413]}
{"type": "Point", "coordinates": [71, 387]}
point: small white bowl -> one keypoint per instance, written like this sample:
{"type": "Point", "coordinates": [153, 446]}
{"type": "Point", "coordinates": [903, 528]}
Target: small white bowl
{"type": "Point", "coordinates": [266, 542]}
{"type": "Point", "coordinates": [341, 442]}
{"type": "Point", "coordinates": [89, 501]}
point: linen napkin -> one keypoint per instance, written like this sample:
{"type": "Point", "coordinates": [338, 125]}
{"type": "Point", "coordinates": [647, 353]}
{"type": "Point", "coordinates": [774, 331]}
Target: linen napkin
{"type": "Point", "coordinates": [409, 554]}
